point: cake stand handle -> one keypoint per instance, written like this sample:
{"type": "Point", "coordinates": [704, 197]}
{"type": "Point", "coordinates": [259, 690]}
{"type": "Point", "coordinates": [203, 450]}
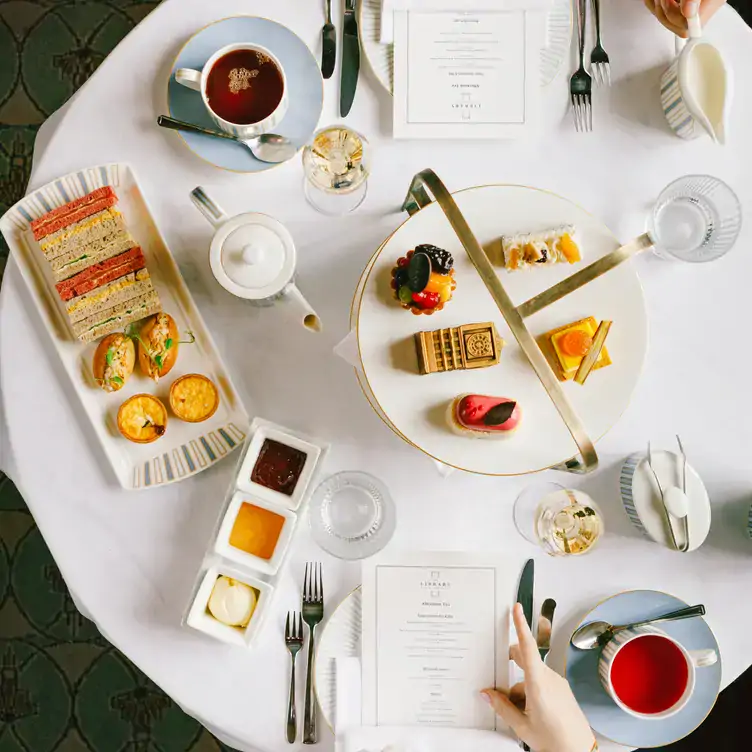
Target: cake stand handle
{"type": "Point", "coordinates": [417, 199]}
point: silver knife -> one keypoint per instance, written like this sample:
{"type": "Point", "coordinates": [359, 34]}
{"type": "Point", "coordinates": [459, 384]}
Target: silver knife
{"type": "Point", "coordinates": [545, 625]}
{"type": "Point", "coordinates": [350, 59]}
{"type": "Point", "coordinates": [328, 44]}
{"type": "Point", "coordinates": [525, 593]}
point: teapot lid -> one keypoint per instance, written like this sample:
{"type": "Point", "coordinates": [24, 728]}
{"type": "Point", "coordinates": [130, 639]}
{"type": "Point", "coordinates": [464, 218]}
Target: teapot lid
{"type": "Point", "coordinates": [253, 256]}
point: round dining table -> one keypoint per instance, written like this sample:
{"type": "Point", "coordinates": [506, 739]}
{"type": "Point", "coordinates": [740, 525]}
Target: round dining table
{"type": "Point", "coordinates": [130, 558]}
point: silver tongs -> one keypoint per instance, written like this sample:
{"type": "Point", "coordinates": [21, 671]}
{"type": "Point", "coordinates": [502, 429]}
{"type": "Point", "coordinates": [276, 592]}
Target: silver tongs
{"type": "Point", "coordinates": [668, 511]}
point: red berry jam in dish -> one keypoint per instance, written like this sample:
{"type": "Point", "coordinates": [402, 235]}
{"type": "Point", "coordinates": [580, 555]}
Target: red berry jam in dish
{"type": "Point", "coordinates": [278, 467]}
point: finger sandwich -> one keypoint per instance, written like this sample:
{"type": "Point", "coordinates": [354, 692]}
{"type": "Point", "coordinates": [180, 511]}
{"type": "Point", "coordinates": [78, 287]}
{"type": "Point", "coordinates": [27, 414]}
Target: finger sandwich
{"type": "Point", "coordinates": [99, 270]}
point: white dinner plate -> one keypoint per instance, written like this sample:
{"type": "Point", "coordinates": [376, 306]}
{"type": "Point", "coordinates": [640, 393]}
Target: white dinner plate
{"type": "Point", "coordinates": [380, 56]}
{"type": "Point", "coordinates": [186, 448]}
{"type": "Point", "coordinates": [415, 405]}
{"type": "Point", "coordinates": [340, 638]}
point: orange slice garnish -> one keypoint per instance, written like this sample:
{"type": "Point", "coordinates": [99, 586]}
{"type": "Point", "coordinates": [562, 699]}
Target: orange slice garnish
{"type": "Point", "coordinates": [575, 343]}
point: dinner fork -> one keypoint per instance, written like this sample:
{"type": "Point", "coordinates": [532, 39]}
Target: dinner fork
{"type": "Point", "coordinates": [599, 64]}
{"type": "Point", "coordinates": [313, 613]}
{"type": "Point", "coordinates": [294, 642]}
{"type": "Point", "coordinates": [581, 85]}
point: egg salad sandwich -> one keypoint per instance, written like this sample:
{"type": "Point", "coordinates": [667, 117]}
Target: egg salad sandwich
{"type": "Point", "coordinates": [99, 270]}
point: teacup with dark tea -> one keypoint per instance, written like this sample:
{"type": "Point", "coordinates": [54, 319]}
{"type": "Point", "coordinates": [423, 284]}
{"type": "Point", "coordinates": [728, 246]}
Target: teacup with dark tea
{"type": "Point", "coordinates": [243, 87]}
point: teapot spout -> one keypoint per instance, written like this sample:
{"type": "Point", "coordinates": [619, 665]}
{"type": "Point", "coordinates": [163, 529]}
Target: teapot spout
{"type": "Point", "coordinates": [299, 307]}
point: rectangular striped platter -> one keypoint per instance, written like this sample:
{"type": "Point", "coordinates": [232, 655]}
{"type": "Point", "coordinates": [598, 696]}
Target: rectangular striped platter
{"type": "Point", "coordinates": [186, 448]}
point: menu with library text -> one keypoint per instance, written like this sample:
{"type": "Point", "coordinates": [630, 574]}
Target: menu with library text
{"type": "Point", "coordinates": [435, 632]}
{"type": "Point", "coordinates": [467, 74]}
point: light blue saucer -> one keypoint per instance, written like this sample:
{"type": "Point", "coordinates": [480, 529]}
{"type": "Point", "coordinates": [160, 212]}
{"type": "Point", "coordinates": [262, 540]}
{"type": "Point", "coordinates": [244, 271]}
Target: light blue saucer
{"type": "Point", "coordinates": [604, 715]}
{"type": "Point", "coordinates": [305, 86]}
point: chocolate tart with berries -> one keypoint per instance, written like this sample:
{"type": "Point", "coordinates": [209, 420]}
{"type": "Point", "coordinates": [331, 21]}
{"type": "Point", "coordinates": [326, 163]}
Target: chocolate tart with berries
{"type": "Point", "coordinates": [423, 279]}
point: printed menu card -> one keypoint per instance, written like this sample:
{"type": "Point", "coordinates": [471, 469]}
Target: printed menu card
{"type": "Point", "coordinates": [467, 73]}
{"type": "Point", "coordinates": [435, 632]}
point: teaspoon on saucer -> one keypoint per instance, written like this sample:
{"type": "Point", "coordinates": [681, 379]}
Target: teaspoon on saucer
{"type": "Point", "coordinates": [596, 634]}
{"type": "Point", "coordinates": [268, 147]}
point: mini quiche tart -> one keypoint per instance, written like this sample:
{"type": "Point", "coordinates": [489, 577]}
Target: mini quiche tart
{"type": "Point", "coordinates": [194, 398]}
{"type": "Point", "coordinates": [142, 418]}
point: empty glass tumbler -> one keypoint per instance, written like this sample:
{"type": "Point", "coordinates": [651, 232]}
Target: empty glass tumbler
{"type": "Point", "coordinates": [696, 218]}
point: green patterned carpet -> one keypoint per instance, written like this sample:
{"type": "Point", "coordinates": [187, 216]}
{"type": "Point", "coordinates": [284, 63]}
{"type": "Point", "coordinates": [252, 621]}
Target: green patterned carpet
{"type": "Point", "coordinates": [62, 686]}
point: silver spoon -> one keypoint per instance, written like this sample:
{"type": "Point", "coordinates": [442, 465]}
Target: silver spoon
{"type": "Point", "coordinates": [268, 147]}
{"type": "Point", "coordinates": [595, 634]}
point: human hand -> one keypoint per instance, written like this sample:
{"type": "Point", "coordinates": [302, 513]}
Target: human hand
{"type": "Point", "coordinates": [673, 14]}
{"type": "Point", "coordinates": [542, 710]}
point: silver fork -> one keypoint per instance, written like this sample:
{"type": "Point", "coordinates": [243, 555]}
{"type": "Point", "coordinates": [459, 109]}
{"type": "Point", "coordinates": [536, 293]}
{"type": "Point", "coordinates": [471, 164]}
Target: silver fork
{"type": "Point", "coordinates": [313, 613]}
{"type": "Point", "coordinates": [599, 64]}
{"type": "Point", "coordinates": [294, 642]}
{"type": "Point", "coordinates": [581, 85]}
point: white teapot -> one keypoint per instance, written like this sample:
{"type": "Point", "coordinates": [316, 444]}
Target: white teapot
{"type": "Point", "coordinates": [253, 256]}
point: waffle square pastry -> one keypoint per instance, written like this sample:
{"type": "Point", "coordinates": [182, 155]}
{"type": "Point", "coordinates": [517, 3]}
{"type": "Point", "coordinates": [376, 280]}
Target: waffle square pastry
{"type": "Point", "coordinates": [566, 346]}
{"type": "Point", "coordinates": [458, 348]}
{"type": "Point", "coordinates": [99, 270]}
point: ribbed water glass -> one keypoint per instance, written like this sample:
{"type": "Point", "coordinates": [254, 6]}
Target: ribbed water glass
{"type": "Point", "coordinates": [696, 218]}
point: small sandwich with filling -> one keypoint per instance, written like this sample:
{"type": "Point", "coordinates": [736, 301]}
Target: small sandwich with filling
{"type": "Point", "coordinates": [99, 270]}
{"type": "Point", "coordinates": [114, 360]}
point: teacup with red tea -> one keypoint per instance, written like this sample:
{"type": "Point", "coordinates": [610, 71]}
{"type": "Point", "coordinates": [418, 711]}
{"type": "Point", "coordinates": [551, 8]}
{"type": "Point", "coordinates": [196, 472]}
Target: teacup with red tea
{"type": "Point", "coordinates": [243, 87]}
{"type": "Point", "coordinates": [650, 674]}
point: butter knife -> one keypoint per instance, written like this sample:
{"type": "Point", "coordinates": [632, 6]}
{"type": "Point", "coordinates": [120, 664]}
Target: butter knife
{"type": "Point", "coordinates": [328, 44]}
{"type": "Point", "coordinates": [525, 592]}
{"type": "Point", "coordinates": [545, 625]}
{"type": "Point", "coordinates": [350, 59]}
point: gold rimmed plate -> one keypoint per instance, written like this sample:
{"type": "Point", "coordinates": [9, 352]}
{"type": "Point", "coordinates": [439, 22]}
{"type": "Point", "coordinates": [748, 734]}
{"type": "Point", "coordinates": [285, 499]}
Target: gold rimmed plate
{"type": "Point", "coordinates": [415, 406]}
{"type": "Point", "coordinates": [340, 638]}
{"type": "Point", "coordinates": [380, 57]}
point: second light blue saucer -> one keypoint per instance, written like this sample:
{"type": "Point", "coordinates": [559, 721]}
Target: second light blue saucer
{"type": "Point", "coordinates": [603, 714]}
{"type": "Point", "coordinates": [305, 88]}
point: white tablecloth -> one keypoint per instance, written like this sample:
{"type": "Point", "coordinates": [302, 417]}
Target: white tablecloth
{"type": "Point", "coordinates": [131, 558]}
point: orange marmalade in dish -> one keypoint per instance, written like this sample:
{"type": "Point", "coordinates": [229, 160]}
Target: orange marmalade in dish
{"type": "Point", "coordinates": [256, 530]}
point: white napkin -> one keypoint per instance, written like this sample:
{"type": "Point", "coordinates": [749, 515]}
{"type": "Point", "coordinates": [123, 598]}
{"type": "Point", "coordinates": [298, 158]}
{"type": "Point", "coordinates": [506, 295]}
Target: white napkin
{"type": "Point", "coordinates": [347, 692]}
{"type": "Point", "coordinates": [347, 349]}
{"type": "Point", "coordinates": [351, 736]}
{"type": "Point", "coordinates": [388, 7]}
{"type": "Point", "coordinates": [387, 22]}
{"type": "Point", "coordinates": [418, 739]}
